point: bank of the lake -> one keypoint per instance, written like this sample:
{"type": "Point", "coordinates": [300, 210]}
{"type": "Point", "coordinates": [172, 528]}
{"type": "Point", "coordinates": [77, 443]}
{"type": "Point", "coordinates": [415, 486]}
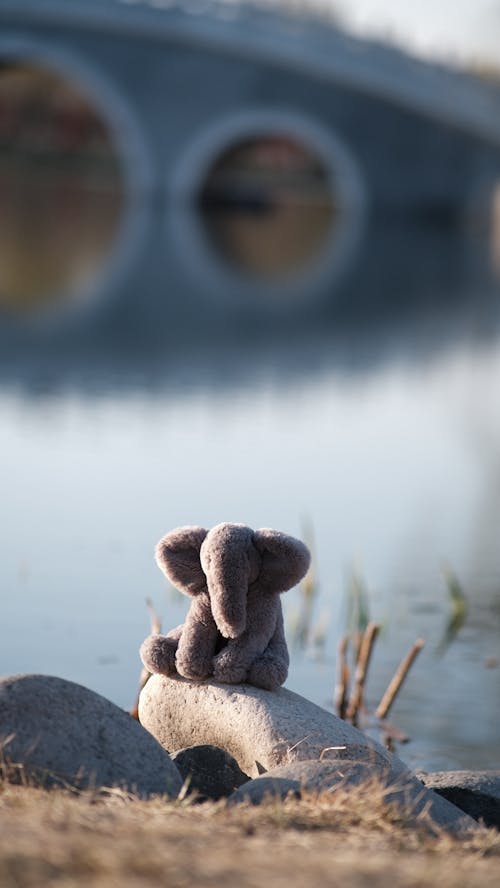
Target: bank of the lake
{"type": "Point", "coordinates": [348, 839]}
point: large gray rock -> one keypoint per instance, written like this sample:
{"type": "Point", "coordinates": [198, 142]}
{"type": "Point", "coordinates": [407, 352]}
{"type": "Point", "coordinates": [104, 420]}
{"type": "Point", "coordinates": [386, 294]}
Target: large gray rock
{"type": "Point", "coordinates": [405, 791]}
{"type": "Point", "coordinates": [476, 792]}
{"type": "Point", "coordinates": [61, 732]}
{"type": "Point", "coordinates": [257, 727]}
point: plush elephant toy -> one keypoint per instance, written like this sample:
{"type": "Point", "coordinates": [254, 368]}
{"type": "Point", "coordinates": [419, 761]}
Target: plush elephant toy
{"type": "Point", "coordinates": [234, 627]}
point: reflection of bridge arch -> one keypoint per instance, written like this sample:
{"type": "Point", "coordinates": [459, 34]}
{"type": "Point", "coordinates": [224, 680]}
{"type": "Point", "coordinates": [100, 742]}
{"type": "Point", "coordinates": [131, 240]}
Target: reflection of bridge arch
{"type": "Point", "coordinates": [342, 179]}
{"type": "Point", "coordinates": [127, 139]}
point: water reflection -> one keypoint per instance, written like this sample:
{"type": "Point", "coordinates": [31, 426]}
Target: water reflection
{"type": "Point", "coordinates": [418, 320]}
{"type": "Point", "coordinates": [268, 205]}
{"type": "Point", "coordinates": [60, 187]}
{"type": "Point", "coordinates": [386, 463]}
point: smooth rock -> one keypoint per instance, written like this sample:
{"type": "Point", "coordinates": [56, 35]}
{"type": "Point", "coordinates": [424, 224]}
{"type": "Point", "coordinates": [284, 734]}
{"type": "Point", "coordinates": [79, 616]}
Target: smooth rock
{"type": "Point", "coordinates": [257, 727]}
{"type": "Point", "coordinates": [264, 788]}
{"type": "Point", "coordinates": [61, 732]}
{"type": "Point", "coordinates": [314, 775]}
{"type": "Point", "coordinates": [211, 771]}
{"type": "Point", "coordinates": [404, 791]}
{"type": "Point", "coordinates": [475, 792]}
{"type": "Point", "coordinates": [318, 776]}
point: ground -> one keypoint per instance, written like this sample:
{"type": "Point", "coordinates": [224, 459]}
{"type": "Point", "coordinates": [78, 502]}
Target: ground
{"type": "Point", "coordinates": [348, 839]}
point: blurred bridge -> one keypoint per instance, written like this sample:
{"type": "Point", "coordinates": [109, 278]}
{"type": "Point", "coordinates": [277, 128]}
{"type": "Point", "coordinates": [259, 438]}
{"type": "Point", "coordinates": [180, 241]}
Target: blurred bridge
{"type": "Point", "coordinates": [259, 150]}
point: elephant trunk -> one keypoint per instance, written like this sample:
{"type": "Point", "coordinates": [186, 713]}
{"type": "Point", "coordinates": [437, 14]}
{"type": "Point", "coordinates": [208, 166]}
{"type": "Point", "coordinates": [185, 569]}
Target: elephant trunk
{"type": "Point", "coordinates": [230, 563]}
{"type": "Point", "coordinates": [229, 607]}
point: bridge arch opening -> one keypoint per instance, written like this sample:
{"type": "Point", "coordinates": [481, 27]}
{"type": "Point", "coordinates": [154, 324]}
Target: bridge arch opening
{"type": "Point", "coordinates": [268, 205]}
{"type": "Point", "coordinates": [71, 183]}
{"type": "Point", "coordinates": [273, 206]}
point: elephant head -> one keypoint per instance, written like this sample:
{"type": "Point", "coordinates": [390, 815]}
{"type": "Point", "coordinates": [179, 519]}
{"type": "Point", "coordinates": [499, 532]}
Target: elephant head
{"type": "Point", "coordinates": [226, 561]}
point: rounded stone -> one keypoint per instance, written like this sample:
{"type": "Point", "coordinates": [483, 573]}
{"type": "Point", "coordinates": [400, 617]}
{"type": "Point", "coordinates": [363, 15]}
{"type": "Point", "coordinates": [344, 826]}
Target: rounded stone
{"type": "Point", "coordinates": [263, 789]}
{"type": "Point", "coordinates": [475, 792]}
{"type": "Point", "coordinates": [57, 732]}
{"type": "Point", "coordinates": [212, 773]}
{"type": "Point", "coordinates": [321, 776]}
{"type": "Point", "coordinates": [405, 791]}
{"type": "Point", "coordinates": [266, 729]}
{"type": "Point", "coordinates": [260, 729]}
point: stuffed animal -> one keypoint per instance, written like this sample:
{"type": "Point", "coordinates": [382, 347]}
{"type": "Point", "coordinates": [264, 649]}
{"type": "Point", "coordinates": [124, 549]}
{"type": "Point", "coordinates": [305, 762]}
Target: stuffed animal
{"type": "Point", "coordinates": [234, 627]}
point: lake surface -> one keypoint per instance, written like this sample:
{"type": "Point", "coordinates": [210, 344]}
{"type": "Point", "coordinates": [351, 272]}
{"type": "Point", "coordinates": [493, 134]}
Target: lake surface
{"type": "Point", "coordinates": [369, 424]}
{"type": "Point", "coordinates": [382, 447]}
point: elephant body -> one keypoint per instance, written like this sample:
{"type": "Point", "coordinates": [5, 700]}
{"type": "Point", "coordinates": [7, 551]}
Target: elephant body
{"type": "Point", "coordinates": [234, 629]}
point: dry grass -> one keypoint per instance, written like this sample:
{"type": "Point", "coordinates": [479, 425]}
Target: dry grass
{"type": "Point", "coordinates": [349, 839]}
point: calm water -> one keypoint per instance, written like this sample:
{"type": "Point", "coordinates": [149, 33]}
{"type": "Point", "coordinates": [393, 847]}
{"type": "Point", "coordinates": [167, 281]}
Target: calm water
{"type": "Point", "coordinates": [377, 437]}
{"type": "Point", "coordinates": [386, 448]}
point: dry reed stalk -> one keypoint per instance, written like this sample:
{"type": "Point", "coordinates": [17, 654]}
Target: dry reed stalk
{"type": "Point", "coordinates": [398, 679]}
{"type": "Point", "coordinates": [144, 676]}
{"type": "Point", "coordinates": [365, 650]}
{"type": "Point", "coordinates": [394, 732]}
{"type": "Point", "coordinates": [341, 692]}
{"type": "Point", "coordinates": [357, 642]}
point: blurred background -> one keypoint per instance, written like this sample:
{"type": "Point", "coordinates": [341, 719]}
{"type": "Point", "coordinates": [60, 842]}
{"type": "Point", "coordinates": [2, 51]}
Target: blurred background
{"type": "Point", "coordinates": [249, 271]}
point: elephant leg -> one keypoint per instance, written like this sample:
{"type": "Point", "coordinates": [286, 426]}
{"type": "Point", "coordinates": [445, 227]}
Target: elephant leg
{"type": "Point", "coordinates": [198, 641]}
{"type": "Point", "coordinates": [270, 669]}
{"type": "Point", "coordinates": [157, 652]}
{"type": "Point", "coordinates": [231, 665]}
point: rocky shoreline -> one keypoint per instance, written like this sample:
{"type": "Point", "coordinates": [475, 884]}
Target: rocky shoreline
{"type": "Point", "coordinates": [218, 741]}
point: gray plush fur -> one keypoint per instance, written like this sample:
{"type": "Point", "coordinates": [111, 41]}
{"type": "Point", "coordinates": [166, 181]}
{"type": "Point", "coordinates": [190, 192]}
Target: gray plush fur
{"type": "Point", "coordinates": [234, 628]}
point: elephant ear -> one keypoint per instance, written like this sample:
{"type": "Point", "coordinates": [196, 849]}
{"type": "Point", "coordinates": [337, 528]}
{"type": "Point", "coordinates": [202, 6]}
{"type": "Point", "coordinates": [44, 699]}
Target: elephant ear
{"type": "Point", "coordinates": [285, 560]}
{"type": "Point", "coordinates": [178, 556]}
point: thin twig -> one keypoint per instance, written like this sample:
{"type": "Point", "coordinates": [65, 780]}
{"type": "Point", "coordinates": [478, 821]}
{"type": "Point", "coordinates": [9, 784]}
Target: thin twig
{"type": "Point", "coordinates": [398, 679]}
{"type": "Point", "coordinates": [370, 634]}
{"type": "Point", "coordinates": [153, 616]}
{"type": "Point", "coordinates": [341, 692]}
{"type": "Point", "coordinates": [145, 674]}
{"type": "Point", "coordinates": [309, 593]}
{"type": "Point", "coordinates": [331, 749]}
{"type": "Point", "coordinates": [393, 732]}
